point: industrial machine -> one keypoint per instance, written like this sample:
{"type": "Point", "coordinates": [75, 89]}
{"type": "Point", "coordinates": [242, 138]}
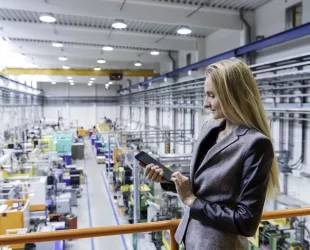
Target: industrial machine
{"type": "Point", "coordinates": [281, 234]}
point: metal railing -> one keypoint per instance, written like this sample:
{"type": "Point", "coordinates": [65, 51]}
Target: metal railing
{"type": "Point", "coordinates": [129, 229]}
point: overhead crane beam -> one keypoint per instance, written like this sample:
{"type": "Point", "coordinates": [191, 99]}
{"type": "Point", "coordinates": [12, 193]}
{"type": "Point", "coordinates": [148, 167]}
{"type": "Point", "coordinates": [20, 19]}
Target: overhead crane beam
{"type": "Point", "coordinates": [78, 72]}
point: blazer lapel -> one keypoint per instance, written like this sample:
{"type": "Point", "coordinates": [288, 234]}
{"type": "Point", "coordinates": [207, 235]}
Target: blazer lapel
{"type": "Point", "coordinates": [204, 133]}
{"type": "Point", "coordinates": [221, 145]}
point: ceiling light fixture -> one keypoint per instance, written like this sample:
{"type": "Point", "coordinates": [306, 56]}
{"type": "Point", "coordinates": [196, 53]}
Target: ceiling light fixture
{"type": "Point", "coordinates": [101, 61]}
{"type": "Point", "coordinates": [69, 77]}
{"type": "Point", "coordinates": [138, 64]}
{"type": "Point", "coordinates": [57, 45]}
{"type": "Point", "coordinates": [184, 30]}
{"type": "Point", "coordinates": [62, 58]}
{"type": "Point", "coordinates": [92, 79]}
{"type": "Point", "coordinates": [97, 69]}
{"type": "Point", "coordinates": [65, 67]}
{"type": "Point", "coordinates": [110, 82]}
{"type": "Point", "coordinates": [154, 53]}
{"type": "Point", "coordinates": [53, 82]}
{"type": "Point", "coordinates": [119, 24]}
{"type": "Point", "coordinates": [47, 18]}
{"type": "Point", "coordinates": [89, 84]}
{"type": "Point", "coordinates": [107, 48]}
{"type": "Point", "coordinates": [71, 83]}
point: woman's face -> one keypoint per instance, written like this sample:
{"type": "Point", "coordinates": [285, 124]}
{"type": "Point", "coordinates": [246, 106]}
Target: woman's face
{"type": "Point", "coordinates": [211, 100]}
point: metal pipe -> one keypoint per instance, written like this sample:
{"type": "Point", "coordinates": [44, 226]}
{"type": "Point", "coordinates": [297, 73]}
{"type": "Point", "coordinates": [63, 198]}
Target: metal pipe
{"type": "Point", "coordinates": [172, 60]}
{"type": "Point", "coordinates": [248, 33]}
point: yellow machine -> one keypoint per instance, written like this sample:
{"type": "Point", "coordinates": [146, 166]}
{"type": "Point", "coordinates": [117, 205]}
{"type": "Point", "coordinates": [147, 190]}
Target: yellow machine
{"type": "Point", "coordinates": [82, 132]}
{"type": "Point", "coordinates": [14, 214]}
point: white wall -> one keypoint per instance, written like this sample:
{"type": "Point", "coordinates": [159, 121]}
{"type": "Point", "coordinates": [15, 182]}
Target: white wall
{"type": "Point", "coordinates": [270, 20]}
{"type": "Point", "coordinates": [221, 41]}
{"type": "Point", "coordinates": [84, 114]}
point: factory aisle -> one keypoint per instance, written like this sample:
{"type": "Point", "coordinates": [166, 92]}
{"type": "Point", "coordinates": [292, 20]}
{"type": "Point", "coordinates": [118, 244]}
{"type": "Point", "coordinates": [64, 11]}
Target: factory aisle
{"type": "Point", "coordinates": [95, 208]}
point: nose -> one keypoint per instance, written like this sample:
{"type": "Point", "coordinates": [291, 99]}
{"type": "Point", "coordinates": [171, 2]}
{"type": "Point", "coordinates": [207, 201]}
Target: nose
{"type": "Point", "coordinates": [206, 103]}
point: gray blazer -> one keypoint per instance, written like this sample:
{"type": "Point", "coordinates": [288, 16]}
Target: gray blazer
{"type": "Point", "coordinates": [230, 184]}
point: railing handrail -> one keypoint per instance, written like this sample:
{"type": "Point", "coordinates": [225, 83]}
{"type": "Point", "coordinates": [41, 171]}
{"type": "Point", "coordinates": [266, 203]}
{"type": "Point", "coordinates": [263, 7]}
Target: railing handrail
{"type": "Point", "coordinates": [127, 229]}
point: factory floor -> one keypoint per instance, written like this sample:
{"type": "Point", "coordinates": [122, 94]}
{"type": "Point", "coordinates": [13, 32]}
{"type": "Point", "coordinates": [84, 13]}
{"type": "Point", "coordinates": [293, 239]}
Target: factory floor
{"type": "Point", "coordinates": [96, 208]}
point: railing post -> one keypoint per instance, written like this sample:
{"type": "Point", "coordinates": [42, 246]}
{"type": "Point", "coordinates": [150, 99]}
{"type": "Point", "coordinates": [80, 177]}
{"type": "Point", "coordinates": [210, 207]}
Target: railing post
{"type": "Point", "coordinates": [173, 244]}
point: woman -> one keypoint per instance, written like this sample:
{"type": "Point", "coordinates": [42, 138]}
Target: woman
{"type": "Point", "coordinates": [233, 167]}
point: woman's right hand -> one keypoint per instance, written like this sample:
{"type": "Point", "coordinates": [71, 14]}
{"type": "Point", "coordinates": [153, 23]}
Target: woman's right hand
{"type": "Point", "coordinates": [154, 173]}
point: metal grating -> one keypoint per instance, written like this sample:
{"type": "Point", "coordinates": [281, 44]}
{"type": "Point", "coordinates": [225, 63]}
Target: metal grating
{"type": "Point", "coordinates": [82, 44]}
{"type": "Point", "coordinates": [223, 4]}
{"type": "Point", "coordinates": [100, 23]}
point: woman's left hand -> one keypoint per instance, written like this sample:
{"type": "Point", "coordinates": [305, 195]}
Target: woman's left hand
{"type": "Point", "coordinates": [183, 188]}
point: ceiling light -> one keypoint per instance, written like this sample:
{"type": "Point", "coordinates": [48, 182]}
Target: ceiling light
{"type": "Point", "coordinates": [119, 24]}
{"type": "Point", "coordinates": [71, 83]}
{"type": "Point", "coordinates": [53, 82]}
{"type": "Point", "coordinates": [57, 45]}
{"type": "Point", "coordinates": [71, 80]}
{"type": "Point", "coordinates": [69, 77]}
{"type": "Point", "coordinates": [92, 79]}
{"type": "Point", "coordinates": [184, 30]}
{"type": "Point", "coordinates": [89, 84]}
{"type": "Point", "coordinates": [110, 82]}
{"type": "Point", "coordinates": [47, 18]}
{"type": "Point", "coordinates": [154, 53]}
{"type": "Point", "coordinates": [62, 58]}
{"type": "Point", "coordinates": [65, 67]}
{"type": "Point", "coordinates": [107, 48]}
{"type": "Point", "coordinates": [101, 61]}
{"type": "Point", "coordinates": [97, 69]}
{"type": "Point", "coordinates": [138, 64]}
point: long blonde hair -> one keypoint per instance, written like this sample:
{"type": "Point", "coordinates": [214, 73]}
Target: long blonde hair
{"type": "Point", "coordinates": [240, 100]}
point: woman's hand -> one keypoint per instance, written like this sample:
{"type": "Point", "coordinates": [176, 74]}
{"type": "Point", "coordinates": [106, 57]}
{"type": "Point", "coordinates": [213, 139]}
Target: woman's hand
{"type": "Point", "coordinates": [154, 173]}
{"type": "Point", "coordinates": [184, 189]}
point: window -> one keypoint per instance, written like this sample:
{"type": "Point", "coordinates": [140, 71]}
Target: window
{"type": "Point", "coordinates": [294, 16]}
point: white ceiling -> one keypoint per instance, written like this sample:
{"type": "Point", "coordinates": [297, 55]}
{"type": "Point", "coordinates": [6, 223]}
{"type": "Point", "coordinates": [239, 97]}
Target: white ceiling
{"type": "Point", "coordinates": [84, 26]}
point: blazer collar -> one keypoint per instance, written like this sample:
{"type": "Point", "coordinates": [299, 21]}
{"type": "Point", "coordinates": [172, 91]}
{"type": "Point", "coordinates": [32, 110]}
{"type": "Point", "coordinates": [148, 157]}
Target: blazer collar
{"type": "Point", "coordinates": [221, 145]}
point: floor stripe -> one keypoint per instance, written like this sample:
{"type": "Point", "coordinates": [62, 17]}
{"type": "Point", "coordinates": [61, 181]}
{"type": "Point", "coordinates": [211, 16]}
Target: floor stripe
{"type": "Point", "coordinates": [89, 208]}
{"type": "Point", "coordinates": [111, 203]}
{"type": "Point", "coordinates": [113, 209]}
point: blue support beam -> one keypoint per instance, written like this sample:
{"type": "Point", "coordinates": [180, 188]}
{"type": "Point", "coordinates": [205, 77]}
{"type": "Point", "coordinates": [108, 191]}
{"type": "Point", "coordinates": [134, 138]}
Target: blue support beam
{"type": "Point", "coordinates": [285, 36]}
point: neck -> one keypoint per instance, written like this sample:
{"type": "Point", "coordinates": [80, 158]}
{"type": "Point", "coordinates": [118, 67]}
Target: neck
{"type": "Point", "coordinates": [229, 126]}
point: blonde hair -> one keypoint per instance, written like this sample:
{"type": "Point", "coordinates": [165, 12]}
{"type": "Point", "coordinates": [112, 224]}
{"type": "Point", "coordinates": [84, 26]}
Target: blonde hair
{"type": "Point", "coordinates": [240, 100]}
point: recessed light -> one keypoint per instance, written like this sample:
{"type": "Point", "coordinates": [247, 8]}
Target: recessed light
{"type": "Point", "coordinates": [184, 30]}
{"type": "Point", "coordinates": [110, 82]}
{"type": "Point", "coordinates": [93, 79]}
{"type": "Point", "coordinates": [119, 24]}
{"type": "Point", "coordinates": [138, 64]}
{"type": "Point", "coordinates": [71, 83]}
{"type": "Point", "coordinates": [62, 58]}
{"type": "Point", "coordinates": [47, 18]}
{"type": "Point", "coordinates": [53, 82]}
{"type": "Point", "coordinates": [89, 84]}
{"type": "Point", "coordinates": [57, 45]}
{"type": "Point", "coordinates": [97, 69]}
{"type": "Point", "coordinates": [65, 67]}
{"type": "Point", "coordinates": [154, 53]}
{"type": "Point", "coordinates": [69, 77]}
{"type": "Point", "coordinates": [107, 48]}
{"type": "Point", "coordinates": [101, 61]}
{"type": "Point", "coordinates": [71, 80]}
